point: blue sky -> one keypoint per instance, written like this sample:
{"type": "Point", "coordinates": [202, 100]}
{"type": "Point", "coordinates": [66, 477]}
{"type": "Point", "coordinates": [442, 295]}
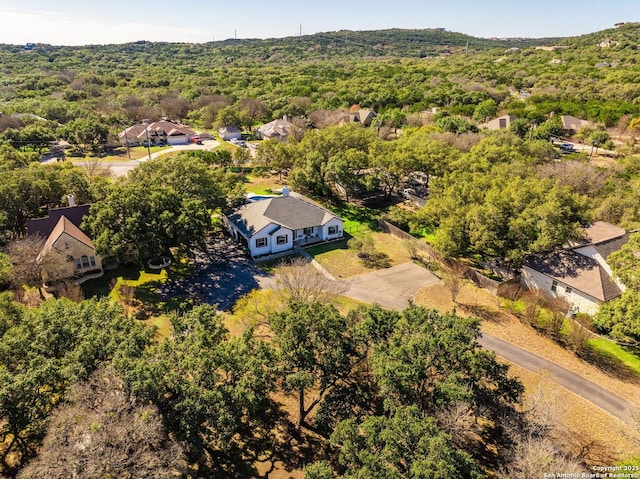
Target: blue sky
{"type": "Point", "coordinates": [73, 22]}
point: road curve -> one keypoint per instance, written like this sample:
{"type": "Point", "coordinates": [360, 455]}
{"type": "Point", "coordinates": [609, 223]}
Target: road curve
{"type": "Point", "coordinates": [604, 399]}
{"type": "Point", "coordinates": [393, 288]}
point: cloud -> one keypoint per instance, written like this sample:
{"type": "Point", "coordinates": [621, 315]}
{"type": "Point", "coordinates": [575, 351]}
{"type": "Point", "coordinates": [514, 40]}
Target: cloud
{"type": "Point", "coordinates": [58, 28]}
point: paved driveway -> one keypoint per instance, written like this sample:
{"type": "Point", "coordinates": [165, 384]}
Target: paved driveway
{"type": "Point", "coordinates": [224, 273]}
{"type": "Point", "coordinates": [392, 287]}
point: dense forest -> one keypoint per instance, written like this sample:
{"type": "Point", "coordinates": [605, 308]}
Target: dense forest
{"type": "Point", "coordinates": [375, 393]}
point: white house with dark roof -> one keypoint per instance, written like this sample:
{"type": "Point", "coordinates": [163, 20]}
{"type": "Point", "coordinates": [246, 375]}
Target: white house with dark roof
{"type": "Point", "coordinates": [278, 224]}
{"type": "Point", "coordinates": [579, 274]}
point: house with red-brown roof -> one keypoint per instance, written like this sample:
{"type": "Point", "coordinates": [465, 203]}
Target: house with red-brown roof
{"type": "Point", "coordinates": [62, 233]}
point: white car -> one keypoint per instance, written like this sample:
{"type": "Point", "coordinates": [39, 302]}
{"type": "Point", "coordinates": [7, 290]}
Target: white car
{"type": "Point", "coordinates": [238, 142]}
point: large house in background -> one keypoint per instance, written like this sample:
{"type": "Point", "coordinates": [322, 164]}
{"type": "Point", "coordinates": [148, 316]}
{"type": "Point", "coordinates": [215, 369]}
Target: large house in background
{"type": "Point", "coordinates": [163, 132]}
{"type": "Point", "coordinates": [579, 273]}
{"type": "Point", "coordinates": [62, 233]}
{"type": "Point", "coordinates": [279, 129]}
{"type": "Point", "coordinates": [278, 224]}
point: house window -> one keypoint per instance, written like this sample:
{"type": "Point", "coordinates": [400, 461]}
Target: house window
{"type": "Point", "coordinates": [308, 231]}
{"type": "Point", "coordinates": [85, 261]}
{"type": "Point", "coordinates": [333, 230]}
{"type": "Point", "coordinates": [92, 260]}
{"type": "Point", "coordinates": [66, 245]}
{"type": "Point", "coordinates": [78, 263]}
{"type": "Point", "coordinates": [568, 290]}
{"type": "Point", "coordinates": [554, 285]}
{"type": "Point", "coordinates": [261, 242]}
{"type": "Point", "coordinates": [281, 239]}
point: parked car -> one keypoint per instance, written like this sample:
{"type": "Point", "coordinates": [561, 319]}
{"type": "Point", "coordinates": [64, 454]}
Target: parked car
{"type": "Point", "coordinates": [237, 142]}
{"type": "Point", "coordinates": [567, 148]}
{"type": "Point", "coordinates": [196, 140]}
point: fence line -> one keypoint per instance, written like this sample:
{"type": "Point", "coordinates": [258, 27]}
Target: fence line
{"type": "Point", "coordinates": [478, 279]}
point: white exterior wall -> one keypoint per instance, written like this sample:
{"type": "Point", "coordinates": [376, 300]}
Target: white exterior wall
{"type": "Point", "coordinates": [263, 233]}
{"type": "Point", "coordinates": [68, 245]}
{"type": "Point", "coordinates": [278, 248]}
{"type": "Point", "coordinates": [316, 234]}
{"type": "Point", "coordinates": [177, 140]}
{"type": "Point", "coordinates": [535, 280]}
{"type": "Point", "coordinates": [325, 229]}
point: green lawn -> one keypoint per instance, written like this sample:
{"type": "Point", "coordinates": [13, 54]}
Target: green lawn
{"type": "Point", "coordinates": [137, 152]}
{"type": "Point", "coordinates": [623, 354]}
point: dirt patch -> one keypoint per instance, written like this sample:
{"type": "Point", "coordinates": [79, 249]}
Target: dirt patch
{"type": "Point", "coordinates": [584, 428]}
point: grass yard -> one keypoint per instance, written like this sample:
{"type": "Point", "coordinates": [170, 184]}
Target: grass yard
{"type": "Point", "coordinates": [342, 262]}
{"type": "Point", "coordinates": [120, 154]}
{"type": "Point", "coordinates": [622, 354]}
{"type": "Point", "coordinates": [262, 185]}
{"type": "Point", "coordinates": [137, 291]}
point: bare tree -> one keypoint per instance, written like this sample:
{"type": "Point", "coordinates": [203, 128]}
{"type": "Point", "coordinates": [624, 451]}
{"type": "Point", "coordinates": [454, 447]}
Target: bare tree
{"type": "Point", "coordinates": [31, 266]}
{"type": "Point", "coordinates": [104, 432]}
{"type": "Point", "coordinates": [299, 282]}
{"type": "Point", "coordinates": [453, 279]}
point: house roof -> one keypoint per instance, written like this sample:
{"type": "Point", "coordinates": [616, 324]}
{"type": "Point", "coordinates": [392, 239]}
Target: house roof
{"type": "Point", "coordinates": [572, 123]}
{"type": "Point", "coordinates": [165, 127]}
{"type": "Point", "coordinates": [287, 211]}
{"type": "Point", "coordinates": [277, 128]}
{"type": "Point", "coordinates": [65, 225]}
{"type": "Point", "coordinates": [600, 232]}
{"type": "Point", "coordinates": [580, 272]}
{"type": "Point", "coordinates": [229, 129]}
{"type": "Point", "coordinates": [495, 123]}
{"type": "Point", "coordinates": [44, 226]}
{"type": "Point", "coordinates": [604, 236]}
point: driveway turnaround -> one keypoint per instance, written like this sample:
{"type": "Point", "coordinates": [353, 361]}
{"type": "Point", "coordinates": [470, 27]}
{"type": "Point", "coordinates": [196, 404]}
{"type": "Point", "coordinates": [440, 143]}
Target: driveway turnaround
{"type": "Point", "coordinates": [392, 287]}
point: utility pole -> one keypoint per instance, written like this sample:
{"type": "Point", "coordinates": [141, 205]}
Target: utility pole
{"type": "Point", "coordinates": [126, 141]}
{"type": "Point", "coordinates": [148, 142]}
{"type": "Point", "coordinates": [301, 30]}
{"type": "Point", "coordinates": [235, 33]}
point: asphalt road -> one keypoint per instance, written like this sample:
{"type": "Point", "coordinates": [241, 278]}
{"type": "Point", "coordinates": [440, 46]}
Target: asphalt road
{"type": "Point", "coordinates": [604, 399]}
{"type": "Point", "coordinates": [393, 287]}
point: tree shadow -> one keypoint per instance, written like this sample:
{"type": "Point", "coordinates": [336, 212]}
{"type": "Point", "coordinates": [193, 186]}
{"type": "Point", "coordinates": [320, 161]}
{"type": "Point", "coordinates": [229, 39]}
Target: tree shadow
{"type": "Point", "coordinates": [610, 365]}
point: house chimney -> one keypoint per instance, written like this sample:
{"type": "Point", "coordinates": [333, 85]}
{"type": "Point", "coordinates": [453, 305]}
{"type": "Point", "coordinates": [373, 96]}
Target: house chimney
{"type": "Point", "coordinates": [71, 200]}
{"type": "Point", "coordinates": [285, 117]}
{"type": "Point", "coordinates": [285, 191]}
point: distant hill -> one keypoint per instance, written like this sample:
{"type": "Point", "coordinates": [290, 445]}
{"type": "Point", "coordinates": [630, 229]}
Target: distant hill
{"type": "Point", "coordinates": [374, 43]}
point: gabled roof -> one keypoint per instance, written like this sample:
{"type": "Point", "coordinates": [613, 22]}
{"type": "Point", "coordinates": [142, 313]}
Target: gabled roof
{"type": "Point", "coordinates": [572, 123]}
{"type": "Point", "coordinates": [63, 226]}
{"type": "Point", "coordinates": [287, 211]}
{"type": "Point", "coordinates": [580, 272]}
{"type": "Point", "coordinates": [277, 129]}
{"type": "Point", "coordinates": [162, 127]}
{"type": "Point", "coordinates": [600, 232]}
{"type": "Point", "coordinates": [44, 226]}
{"type": "Point", "coordinates": [229, 129]}
{"type": "Point", "coordinates": [495, 123]}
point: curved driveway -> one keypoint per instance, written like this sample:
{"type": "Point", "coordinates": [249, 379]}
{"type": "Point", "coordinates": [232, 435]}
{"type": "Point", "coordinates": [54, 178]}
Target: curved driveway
{"type": "Point", "coordinates": [393, 287]}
